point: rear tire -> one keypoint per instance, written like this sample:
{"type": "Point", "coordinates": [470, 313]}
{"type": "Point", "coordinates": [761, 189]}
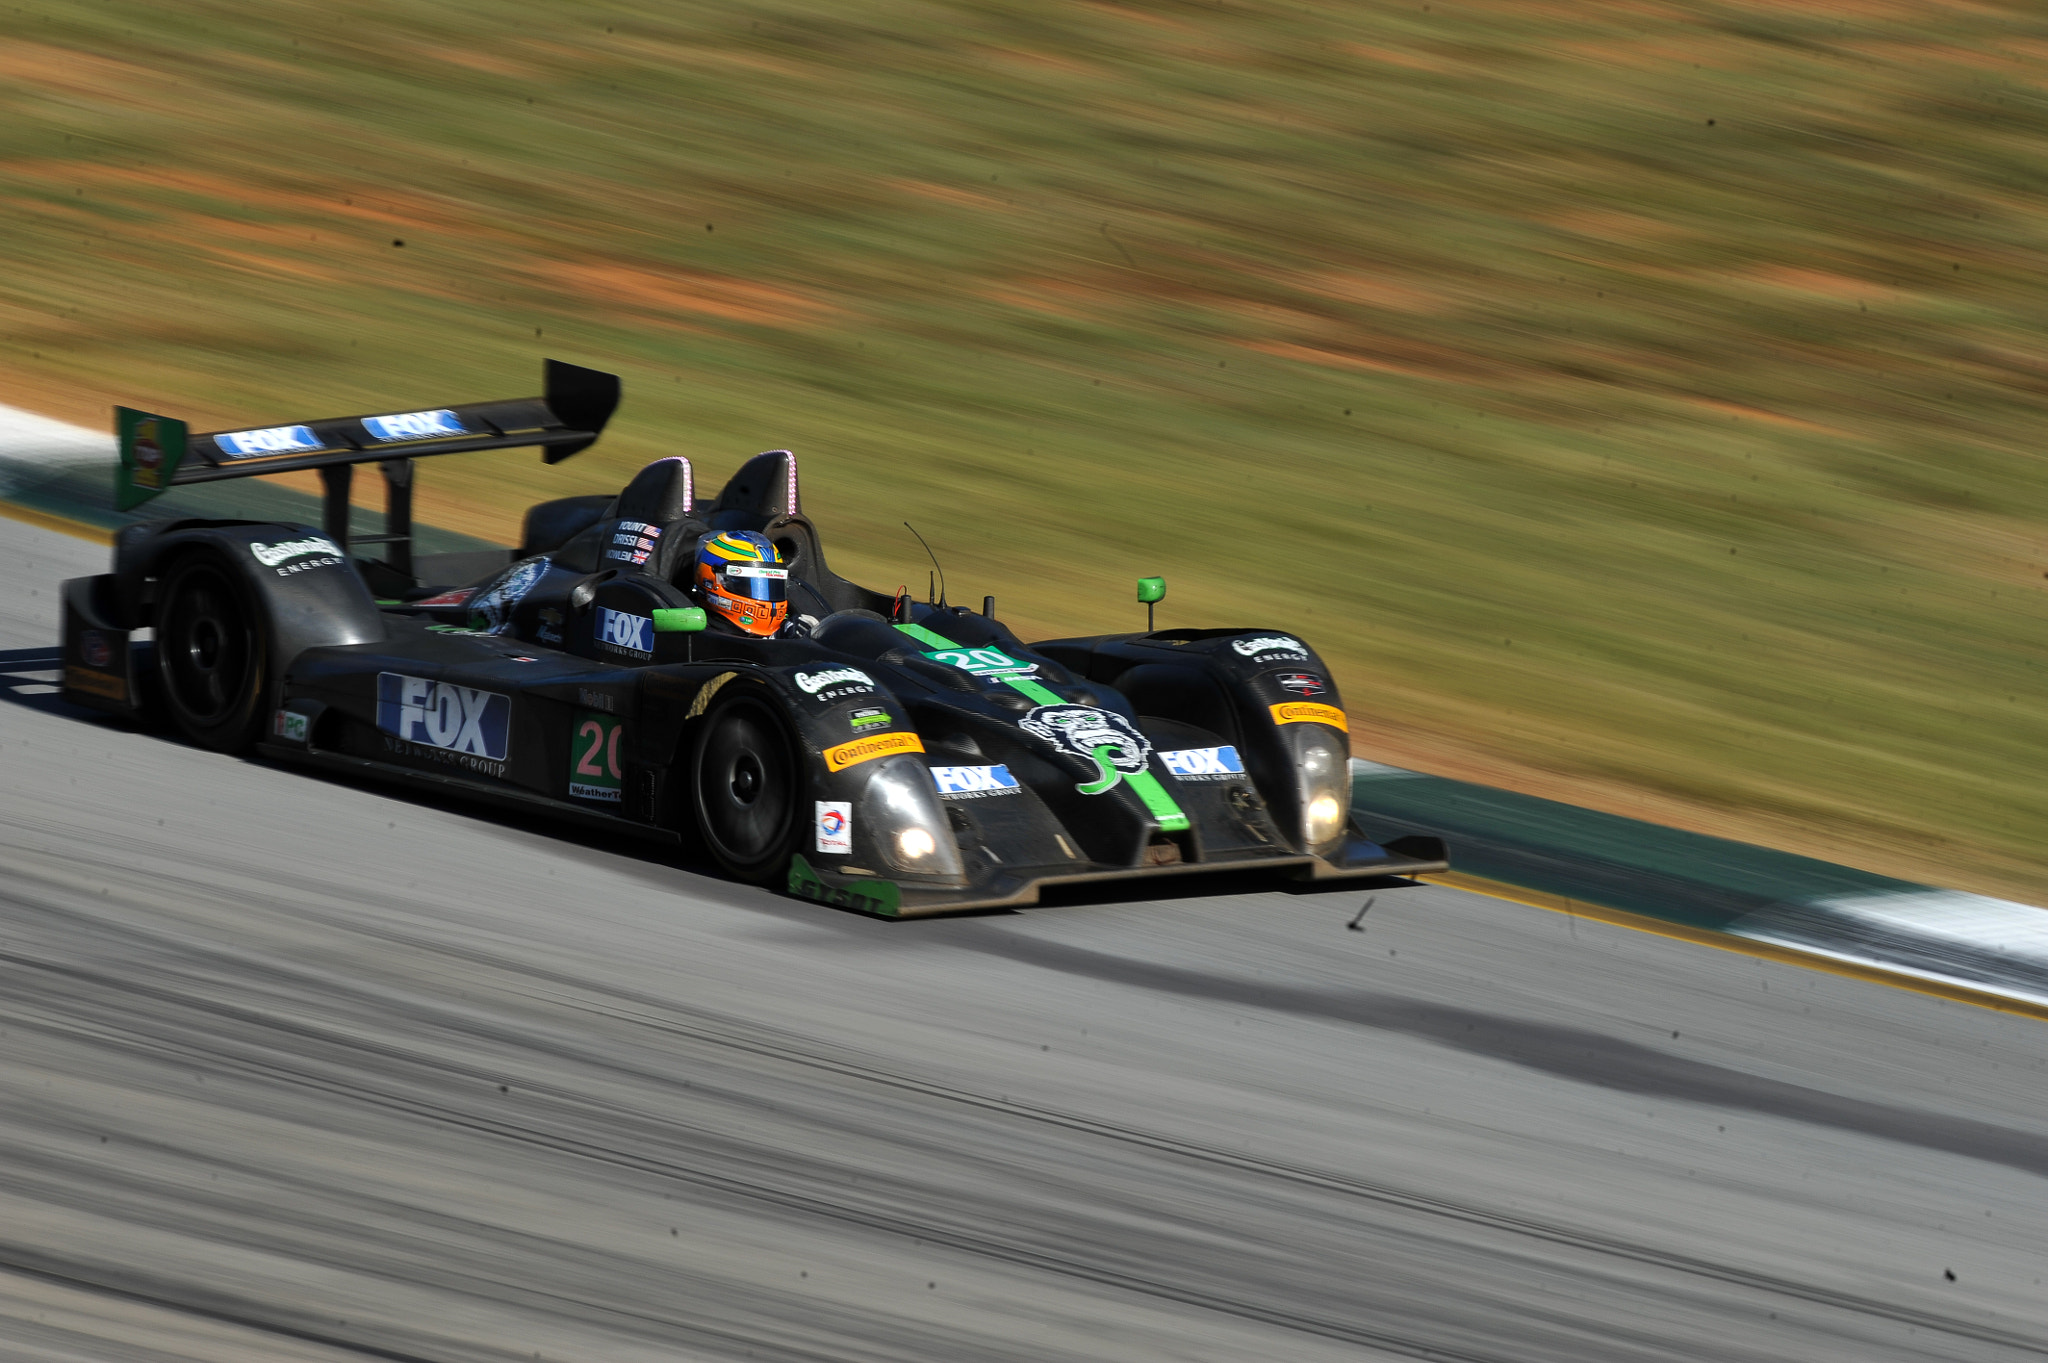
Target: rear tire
{"type": "Point", "coordinates": [211, 649]}
{"type": "Point", "coordinates": [744, 783]}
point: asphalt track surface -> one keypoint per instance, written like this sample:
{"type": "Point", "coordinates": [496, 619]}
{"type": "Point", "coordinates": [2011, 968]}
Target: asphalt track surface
{"type": "Point", "coordinates": [297, 1069]}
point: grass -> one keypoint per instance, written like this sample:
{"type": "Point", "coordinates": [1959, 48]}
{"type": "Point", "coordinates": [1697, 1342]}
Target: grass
{"type": "Point", "coordinates": [1638, 404]}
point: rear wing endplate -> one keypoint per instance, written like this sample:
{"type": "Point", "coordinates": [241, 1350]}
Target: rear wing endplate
{"type": "Point", "coordinates": [159, 453]}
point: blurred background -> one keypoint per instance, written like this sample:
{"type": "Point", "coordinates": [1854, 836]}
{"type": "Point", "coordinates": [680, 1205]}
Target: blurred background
{"type": "Point", "coordinates": [1637, 405]}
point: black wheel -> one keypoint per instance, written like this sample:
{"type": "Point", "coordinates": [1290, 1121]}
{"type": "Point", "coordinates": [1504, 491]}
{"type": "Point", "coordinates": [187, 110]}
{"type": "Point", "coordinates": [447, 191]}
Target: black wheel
{"type": "Point", "coordinates": [210, 654]}
{"type": "Point", "coordinates": [743, 775]}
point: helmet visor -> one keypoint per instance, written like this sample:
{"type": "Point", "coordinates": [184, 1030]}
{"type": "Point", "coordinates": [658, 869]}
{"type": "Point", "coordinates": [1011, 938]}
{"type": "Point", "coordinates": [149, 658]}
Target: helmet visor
{"type": "Point", "coordinates": [754, 581]}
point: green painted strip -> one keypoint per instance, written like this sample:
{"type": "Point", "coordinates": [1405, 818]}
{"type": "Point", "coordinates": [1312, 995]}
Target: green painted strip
{"type": "Point", "coordinates": [1035, 691]}
{"type": "Point", "coordinates": [1160, 804]}
{"type": "Point", "coordinates": [925, 636]}
{"type": "Point", "coordinates": [1169, 814]}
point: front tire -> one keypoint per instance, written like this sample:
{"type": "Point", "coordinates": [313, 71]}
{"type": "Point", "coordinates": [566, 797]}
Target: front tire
{"type": "Point", "coordinates": [211, 656]}
{"type": "Point", "coordinates": [745, 785]}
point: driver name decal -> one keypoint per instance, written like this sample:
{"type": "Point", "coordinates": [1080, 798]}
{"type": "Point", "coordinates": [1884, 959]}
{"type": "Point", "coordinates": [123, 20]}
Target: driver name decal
{"type": "Point", "coordinates": [440, 722]}
{"type": "Point", "coordinates": [633, 541]}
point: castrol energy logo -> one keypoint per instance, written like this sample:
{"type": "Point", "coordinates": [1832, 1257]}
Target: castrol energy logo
{"type": "Point", "coordinates": [814, 682]}
{"type": "Point", "coordinates": [270, 555]}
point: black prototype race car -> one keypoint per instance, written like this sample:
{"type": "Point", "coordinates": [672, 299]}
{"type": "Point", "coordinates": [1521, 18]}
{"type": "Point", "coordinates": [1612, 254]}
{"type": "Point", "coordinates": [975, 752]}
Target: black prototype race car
{"type": "Point", "coordinates": [906, 758]}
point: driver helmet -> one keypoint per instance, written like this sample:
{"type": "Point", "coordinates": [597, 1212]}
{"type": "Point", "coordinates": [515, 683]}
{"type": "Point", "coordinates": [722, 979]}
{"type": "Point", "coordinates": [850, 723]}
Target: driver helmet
{"type": "Point", "coordinates": [741, 577]}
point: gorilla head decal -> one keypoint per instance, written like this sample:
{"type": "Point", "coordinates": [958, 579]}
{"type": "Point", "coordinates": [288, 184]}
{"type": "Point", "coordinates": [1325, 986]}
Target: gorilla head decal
{"type": "Point", "coordinates": [490, 610]}
{"type": "Point", "coordinates": [1101, 737]}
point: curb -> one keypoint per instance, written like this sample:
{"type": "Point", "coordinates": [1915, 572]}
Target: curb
{"type": "Point", "coordinates": [1807, 958]}
{"type": "Point", "coordinates": [63, 525]}
{"type": "Point", "coordinates": [1745, 898]}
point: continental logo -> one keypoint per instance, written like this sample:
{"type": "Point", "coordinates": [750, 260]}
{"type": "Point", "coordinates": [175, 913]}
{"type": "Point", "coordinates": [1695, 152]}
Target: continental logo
{"type": "Point", "coordinates": [96, 683]}
{"type": "Point", "coordinates": [845, 755]}
{"type": "Point", "coordinates": [1308, 712]}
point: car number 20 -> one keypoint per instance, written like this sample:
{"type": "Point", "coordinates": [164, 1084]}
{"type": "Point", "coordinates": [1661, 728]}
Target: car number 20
{"type": "Point", "coordinates": [594, 757]}
{"type": "Point", "coordinates": [982, 662]}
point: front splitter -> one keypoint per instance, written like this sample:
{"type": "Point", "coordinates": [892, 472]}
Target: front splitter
{"type": "Point", "coordinates": [891, 899]}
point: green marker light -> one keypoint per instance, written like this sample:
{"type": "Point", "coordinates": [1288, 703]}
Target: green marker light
{"type": "Point", "coordinates": [1151, 591]}
{"type": "Point", "coordinates": [679, 620]}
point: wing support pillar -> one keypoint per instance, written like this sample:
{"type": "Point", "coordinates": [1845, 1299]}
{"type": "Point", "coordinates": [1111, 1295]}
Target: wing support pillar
{"type": "Point", "coordinates": [334, 485]}
{"type": "Point", "coordinates": [336, 481]}
{"type": "Point", "coordinates": [397, 513]}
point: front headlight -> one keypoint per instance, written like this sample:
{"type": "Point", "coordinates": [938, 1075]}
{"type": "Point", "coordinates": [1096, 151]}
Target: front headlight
{"type": "Point", "coordinates": [1323, 778]}
{"type": "Point", "coordinates": [900, 818]}
{"type": "Point", "coordinates": [914, 845]}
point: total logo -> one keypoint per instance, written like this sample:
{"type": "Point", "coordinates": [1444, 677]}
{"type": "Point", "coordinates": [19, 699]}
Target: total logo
{"type": "Point", "coordinates": [443, 722]}
{"type": "Point", "coordinates": [271, 440]}
{"type": "Point", "coordinates": [835, 826]}
{"type": "Point", "coordinates": [834, 682]}
{"type": "Point", "coordinates": [625, 632]}
{"type": "Point", "coordinates": [94, 649]}
{"type": "Point", "coordinates": [1302, 683]}
{"type": "Point", "coordinates": [970, 783]}
{"type": "Point", "coordinates": [274, 556]}
{"type": "Point", "coordinates": [1203, 764]}
{"type": "Point", "coordinates": [414, 425]}
{"type": "Point", "coordinates": [1270, 646]}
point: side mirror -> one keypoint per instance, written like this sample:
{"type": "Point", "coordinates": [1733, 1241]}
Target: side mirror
{"type": "Point", "coordinates": [1151, 591]}
{"type": "Point", "coordinates": [585, 591]}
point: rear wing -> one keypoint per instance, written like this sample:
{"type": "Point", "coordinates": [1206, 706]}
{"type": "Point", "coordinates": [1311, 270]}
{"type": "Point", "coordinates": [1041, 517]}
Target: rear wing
{"type": "Point", "coordinates": [159, 453]}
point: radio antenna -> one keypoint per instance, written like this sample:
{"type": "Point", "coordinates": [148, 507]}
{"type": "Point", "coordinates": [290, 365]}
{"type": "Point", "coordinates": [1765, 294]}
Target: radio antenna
{"type": "Point", "coordinates": [935, 561]}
